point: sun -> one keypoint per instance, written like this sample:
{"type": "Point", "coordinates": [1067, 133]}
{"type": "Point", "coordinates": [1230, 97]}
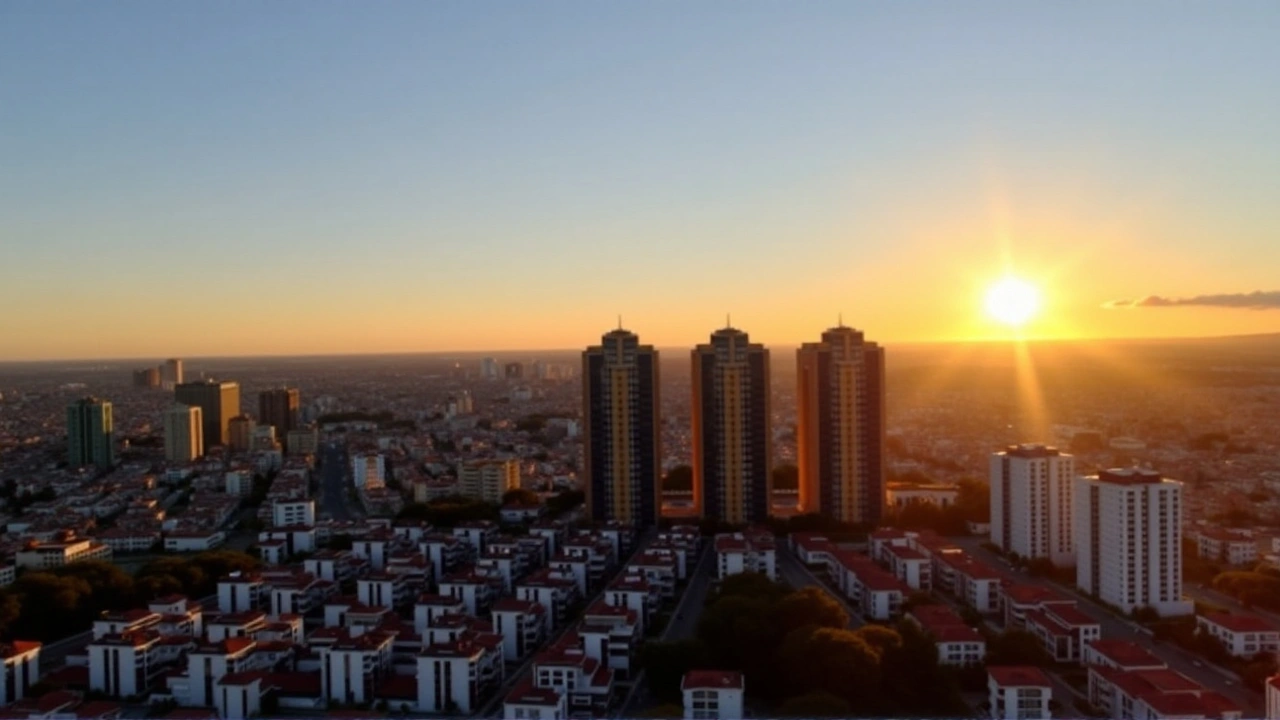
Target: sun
{"type": "Point", "coordinates": [1012, 301]}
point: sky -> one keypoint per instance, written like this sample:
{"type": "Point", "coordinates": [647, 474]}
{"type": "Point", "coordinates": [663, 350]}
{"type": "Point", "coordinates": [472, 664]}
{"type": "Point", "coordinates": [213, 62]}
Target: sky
{"type": "Point", "coordinates": [243, 178]}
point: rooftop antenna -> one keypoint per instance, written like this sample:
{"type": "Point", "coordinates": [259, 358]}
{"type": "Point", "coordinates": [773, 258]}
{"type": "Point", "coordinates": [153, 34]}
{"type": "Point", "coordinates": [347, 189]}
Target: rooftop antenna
{"type": "Point", "coordinates": [840, 319]}
{"type": "Point", "coordinates": [619, 321]}
{"type": "Point", "coordinates": [726, 321]}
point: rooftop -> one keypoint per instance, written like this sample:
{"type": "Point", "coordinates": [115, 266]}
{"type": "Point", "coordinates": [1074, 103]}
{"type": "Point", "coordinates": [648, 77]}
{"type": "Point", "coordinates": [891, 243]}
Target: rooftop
{"type": "Point", "coordinates": [712, 680]}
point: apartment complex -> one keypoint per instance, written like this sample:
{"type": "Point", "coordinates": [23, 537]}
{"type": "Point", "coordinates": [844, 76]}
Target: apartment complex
{"type": "Point", "coordinates": [622, 446]}
{"type": "Point", "coordinates": [1031, 498]}
{"type": "Point", "coordinates": [841, 426]}
{"type": "Point", "coordinates": [488, 480]}
{"type": "Point", "coordinates": [1128, 527]}
{"type": "Point", "coordinates": [732, 427]}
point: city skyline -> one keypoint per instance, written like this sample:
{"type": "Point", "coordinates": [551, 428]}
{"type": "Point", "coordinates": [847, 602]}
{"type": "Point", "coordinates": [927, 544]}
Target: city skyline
{"type": "Point", "coordinates": [424, 153]}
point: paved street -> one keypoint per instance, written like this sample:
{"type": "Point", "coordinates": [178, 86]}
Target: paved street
{"type": "Point", "coordinates": [335, 501]}
{"type": "Point", "coordinates": [684, 618]}
{"type": "Point", "coordinates": [795, 574]}
{"type": "Point", "coordinates": [1115, 628]}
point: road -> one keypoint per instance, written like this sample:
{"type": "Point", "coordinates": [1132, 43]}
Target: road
{"type": "Point", "coordinates": [795, 574]}
{"type": "Point", "coordinates": [335, 500]}
{"type": "Point", "coordinates": [1116, 628]}
{"type": "Point", "coordinates": [688, 609]}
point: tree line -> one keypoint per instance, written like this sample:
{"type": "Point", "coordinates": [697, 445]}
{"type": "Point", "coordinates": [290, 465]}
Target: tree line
{"type": "Point", "coordinates": [51, 604]}
{"type": "Point", "coordinates": [800, 658]}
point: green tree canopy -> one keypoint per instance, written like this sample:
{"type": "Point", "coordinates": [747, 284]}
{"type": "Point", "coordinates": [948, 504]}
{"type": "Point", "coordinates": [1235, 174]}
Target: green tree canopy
{"type": "Point", "coordinates": [828, 660]}
{"type": "Point", "coordinates": [1017, 647]}
{"type": "Point", "coordinates": [808, 606]}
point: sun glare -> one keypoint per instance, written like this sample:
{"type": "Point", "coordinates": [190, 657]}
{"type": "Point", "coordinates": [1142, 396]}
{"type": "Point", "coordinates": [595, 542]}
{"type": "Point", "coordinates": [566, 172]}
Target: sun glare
{"type": "Point", "coordinates": [1012, 301]}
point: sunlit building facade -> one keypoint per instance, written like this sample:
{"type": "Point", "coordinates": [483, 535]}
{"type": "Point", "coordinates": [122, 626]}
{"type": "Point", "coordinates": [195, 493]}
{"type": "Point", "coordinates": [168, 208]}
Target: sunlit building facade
{"type": "Point", "coordinates": [622, 442]}
{"type": "Point", "coordinates": [1128, 529]}
{"type": "Point", "coordinates": [732, 428]}
{"type": "Point", "coordinates": [218, 403]}
{"type": "Point", "coordinates": [183, 433]}
{"type": "Point", "coordinates": [840, 431]}
{"type": "Point", "coordinates": [1031, 499]}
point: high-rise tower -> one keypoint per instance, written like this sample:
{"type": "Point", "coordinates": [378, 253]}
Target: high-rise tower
{"type": "Point", "coordinates": [279, 408]}
{"type": "Point", "coordinates": [1032, 488]}
{"type": "Point", "coordinates": [841, 426]}
{"type": "Point", "coordinates": [732, 436]}
{"type": "Point", "coordinates": [183, 433]}
{"type": "Point", "coordinates": [89, 433]}
{"type": "Point", "coordinates": [622, 442]}
{"type": "Point", "coordinates": [218, 403]}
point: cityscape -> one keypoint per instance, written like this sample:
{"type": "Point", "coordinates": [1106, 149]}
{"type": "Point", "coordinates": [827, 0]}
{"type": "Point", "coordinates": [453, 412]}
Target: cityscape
{"type": "Point", "coordinates": [688, 361]}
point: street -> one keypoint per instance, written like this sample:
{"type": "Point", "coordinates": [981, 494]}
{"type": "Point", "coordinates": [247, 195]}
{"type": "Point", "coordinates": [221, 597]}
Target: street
{"type": "Point", "coordinates": [335, 501]}
{"type": "Point", "coordinates": [795, 574]}
{"type": "Point", "coordinates": [1116, 628]}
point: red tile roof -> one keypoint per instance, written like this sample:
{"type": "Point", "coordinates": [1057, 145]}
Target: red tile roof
{"type": "Point", "coordinates": [1125, 654]}
{"type": "Point", "coordinates": [711, 680]}
{"type": "Point", "coordinates": [1239, 623]}
{"type": "Point", "coordinates": [1018, 676]}
{"type": "Point", "coordinates": [524, 693]}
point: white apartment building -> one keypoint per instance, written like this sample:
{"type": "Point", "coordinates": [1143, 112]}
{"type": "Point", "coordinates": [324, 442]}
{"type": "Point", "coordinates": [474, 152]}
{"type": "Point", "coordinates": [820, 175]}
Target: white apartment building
{"type": "Point", "coordinates": [183, 437]}
{"type": "Point", "coordinates": [712, 694]}
{"type": "Point", "coordinates": [488, 480]}
{"type": "Point", "coordinates": [1129, 528]}
{"type": "Point", "coordinates": [1031, 496]}
{"type": "Point", "coordinates": [38, 555]}
{"type": "Point", "coordinates": [21, 670]}
{"type": "Point", "coordinates": [1242, 635]}
{"type": "Point", "coordinates": [368, 471]}
{"type": "Point", "coordinates": [1017, 692]}
{"type": "Point", "coordinates": [293, 512]}
{"type": "Point", "coordinates": [738, 553]}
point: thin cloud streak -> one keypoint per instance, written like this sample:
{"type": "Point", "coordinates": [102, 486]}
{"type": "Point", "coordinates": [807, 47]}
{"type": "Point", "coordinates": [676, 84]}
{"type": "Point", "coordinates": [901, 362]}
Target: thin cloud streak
{"type": "Point", "coordinates": [1256, 300]}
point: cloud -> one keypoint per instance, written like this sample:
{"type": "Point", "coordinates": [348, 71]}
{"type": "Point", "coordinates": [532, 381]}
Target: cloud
{"type": "Point", "coordinates": [1257, 300]}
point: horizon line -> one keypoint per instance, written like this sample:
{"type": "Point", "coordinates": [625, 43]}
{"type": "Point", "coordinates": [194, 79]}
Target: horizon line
{"type": "Point", "coordinates": [659, 348]}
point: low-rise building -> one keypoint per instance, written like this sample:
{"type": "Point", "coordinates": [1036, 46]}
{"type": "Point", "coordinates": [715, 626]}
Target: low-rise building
{"type": "Point", "coordinates": [64, 550]}
{"type": "Point", "coordinates": [957, 643]}
{"type": "Point", "coordinates": [1018, 692]}
{"type": "Point", "coordinates": [713, 694]}
{"type": "Point", "coordinates": [1242, 635]}
{"type": "Point", "coordinates": [746, 552]}
{"type": "Point", "coordinates": [21, 670]}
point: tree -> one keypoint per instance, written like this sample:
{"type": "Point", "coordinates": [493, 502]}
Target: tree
{"type": "Point", "coordinates": [751, 585]}
{"type": "Point", "coordinates": [786, 477]}
{"type": "Point", "coordinates": [838, 662]}
{"type": "Point", "coordinates": [808, 606]}
{"type": "Point", "coordinates": [10, 609]}
{"type": "Point", "coordinates": [678, 479]}
{"type": "Point", "coordinates": [1017, 647]}
{"type": "Point", "coordinates": [522, 497]}
{"type": "Point", "coordinates": [882, 639]}
{"type": "Point", "coordinates": [815, 705]}
{"type": "Point", "coordinates": [53, 606]}
{"type": "Point", "coordinates": [665, 664]}
{"type": "Point", "coordinates": [563, 502]}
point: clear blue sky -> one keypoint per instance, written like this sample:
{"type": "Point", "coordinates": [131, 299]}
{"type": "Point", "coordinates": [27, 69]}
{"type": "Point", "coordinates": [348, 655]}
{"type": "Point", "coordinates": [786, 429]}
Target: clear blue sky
{"type": "Point", "coordinates": [271, 177]}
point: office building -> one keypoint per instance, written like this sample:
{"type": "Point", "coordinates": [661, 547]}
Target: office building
{"type": "Point", "coordinates": [279, 409]}
{"type": "Point", "coordinates": [489, 369]}
{"type": "Point", "coordinates": [240, 433]}
{"type": "Point", "coordinates": [1031, 498]}
{"type": "Point", "coordinates": [218, 403]}
{"type": "Point", "coordinates": [1128, 531]}
{"type": "Point", "coordinates": [183, 433]}
{"type": "Point", "coordinates": [304, 441]}
{"type": "Point", "coordinates": [488, 480]}
{"type": "Point", "coordinates": [622, 444]}
{"type": "Point", "coordinates": [89, 433]}
{"type": "Point", "coordinates": [146, 378]}
{"type": "Point", "coordinates": [513, 371]}
{"type": "Point", "coordinates": [732, 428]}
{"type": "Point", "coordinates": [171, 373]}
{"type": "Point", "coordinates": [840, 431]}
